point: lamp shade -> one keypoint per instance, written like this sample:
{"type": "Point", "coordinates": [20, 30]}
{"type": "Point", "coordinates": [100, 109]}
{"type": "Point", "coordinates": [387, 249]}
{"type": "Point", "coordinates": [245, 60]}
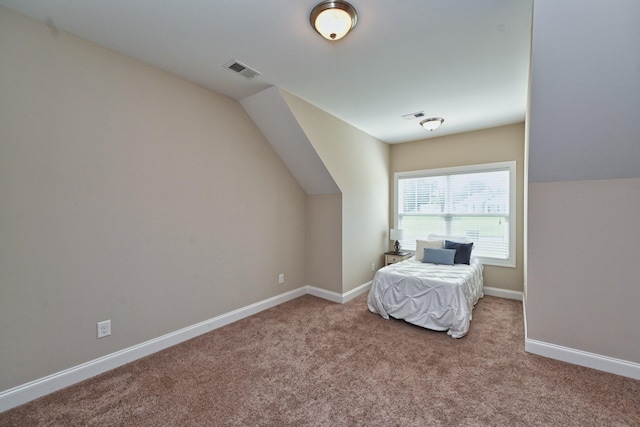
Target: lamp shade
{"type": "Point", "coordinates": [396, 234]}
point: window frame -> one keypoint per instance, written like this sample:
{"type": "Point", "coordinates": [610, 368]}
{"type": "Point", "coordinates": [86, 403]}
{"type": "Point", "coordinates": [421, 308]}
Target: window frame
{"type": "Point", "coordinates": [477, 168]}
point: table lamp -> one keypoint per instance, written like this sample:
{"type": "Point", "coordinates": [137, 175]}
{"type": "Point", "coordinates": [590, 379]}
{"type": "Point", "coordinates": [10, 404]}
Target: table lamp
{"type": "Point", "coordinates": [396, 234]}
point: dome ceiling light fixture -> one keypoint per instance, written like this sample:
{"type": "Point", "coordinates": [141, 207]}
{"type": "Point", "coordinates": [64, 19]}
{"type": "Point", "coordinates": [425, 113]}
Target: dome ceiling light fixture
{"type": "Point", "coordinates": [333, 19]}
{"type": "Point", "coordinates": [432, 123]}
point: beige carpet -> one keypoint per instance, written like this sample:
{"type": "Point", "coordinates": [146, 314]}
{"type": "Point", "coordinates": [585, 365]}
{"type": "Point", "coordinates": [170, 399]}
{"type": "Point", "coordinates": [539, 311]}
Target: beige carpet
{"type": "Point", "coordinates": [313, 362]}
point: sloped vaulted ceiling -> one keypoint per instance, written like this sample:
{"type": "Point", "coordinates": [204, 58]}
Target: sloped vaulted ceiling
{"type": "Point", "coordinates": [270, 113]}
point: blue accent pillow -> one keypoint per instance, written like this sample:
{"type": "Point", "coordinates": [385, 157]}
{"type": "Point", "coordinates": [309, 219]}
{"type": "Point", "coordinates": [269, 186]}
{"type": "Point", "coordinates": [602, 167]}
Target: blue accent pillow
{"type": "Point", "coordinates": [463, 251]}
{"type": "Point", "coordinates": [439, 256]}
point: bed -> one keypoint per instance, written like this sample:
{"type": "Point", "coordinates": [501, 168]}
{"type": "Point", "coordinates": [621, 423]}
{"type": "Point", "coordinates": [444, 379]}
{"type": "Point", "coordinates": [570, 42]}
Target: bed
{"type": "Point", "coordinates": [434, 296]}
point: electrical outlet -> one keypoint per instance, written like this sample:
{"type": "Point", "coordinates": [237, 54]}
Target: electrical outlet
{"type": "Point", "coordinates": [104, 328]}
{"type": "Point", "coordinates": [281, 278]}
{"type": "Point", "coordinates": [373, 266]}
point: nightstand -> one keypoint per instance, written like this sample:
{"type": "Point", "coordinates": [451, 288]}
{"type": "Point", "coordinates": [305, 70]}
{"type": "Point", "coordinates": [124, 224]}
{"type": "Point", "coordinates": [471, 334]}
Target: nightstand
{"type": "Point", "coordinates": [393, 257]}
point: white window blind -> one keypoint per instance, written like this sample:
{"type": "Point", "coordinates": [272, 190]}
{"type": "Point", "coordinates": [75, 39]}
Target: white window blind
{"type": "Point", "coordinates": [476, 202]}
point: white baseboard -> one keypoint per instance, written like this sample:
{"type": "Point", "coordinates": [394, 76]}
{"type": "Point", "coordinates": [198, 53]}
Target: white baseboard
{"type": "Point", "coordinates": [566, 354]}
{"type": "Point", "coordinates": [353, 293]}
{"type": "Point", "coordinates": [43, 386]}
{"type": "Point", "coordinates": [336, 297]}
{"type": "Point", "coordinates": [324, 294]}
{"type": "Point", "coordinates": [583, 358]}
{"type": "Point", "coordinates": [502, 293]}
{"type": "Point", "coordinates": [26, 392]}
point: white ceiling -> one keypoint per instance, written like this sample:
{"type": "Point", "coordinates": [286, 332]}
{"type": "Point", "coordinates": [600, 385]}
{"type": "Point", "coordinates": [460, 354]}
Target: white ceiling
{"type": "Point", "coordinates": [464, 60]}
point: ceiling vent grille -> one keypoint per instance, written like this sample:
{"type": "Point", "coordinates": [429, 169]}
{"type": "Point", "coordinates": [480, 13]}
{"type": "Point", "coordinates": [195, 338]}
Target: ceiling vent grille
{"type": "Point", "coordinates": [413, 115]}
{"type": "Point", "coordinates": [242, 69]}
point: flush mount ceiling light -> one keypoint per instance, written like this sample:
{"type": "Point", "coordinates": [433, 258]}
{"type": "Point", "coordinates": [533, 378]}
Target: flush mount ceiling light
{"type": "Point", "coordinates": [333, 19]}
{"type": "Point", "coordinates": [432, 123]}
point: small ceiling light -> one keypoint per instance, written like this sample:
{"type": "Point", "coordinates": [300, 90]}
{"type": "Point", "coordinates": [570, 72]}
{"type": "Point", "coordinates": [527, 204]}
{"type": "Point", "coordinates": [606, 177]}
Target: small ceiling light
{"type": "Point", "coordinates": [333, 19]}
{"type": "Point", "coordinates": [432, 124]}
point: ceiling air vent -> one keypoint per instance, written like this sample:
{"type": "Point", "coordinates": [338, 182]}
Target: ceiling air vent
{"type": "Point", "coordinates": [242, 69]}
{"type": "Point", "coordinates": [413, 115]}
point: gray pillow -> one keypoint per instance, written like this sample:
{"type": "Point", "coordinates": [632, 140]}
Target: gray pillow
{"type": "Point", "coordinates": [439, 256]}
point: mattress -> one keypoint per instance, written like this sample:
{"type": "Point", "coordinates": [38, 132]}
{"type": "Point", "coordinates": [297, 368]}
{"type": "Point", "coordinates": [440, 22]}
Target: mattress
{"type": "Point", "coordinates": [437, 297]}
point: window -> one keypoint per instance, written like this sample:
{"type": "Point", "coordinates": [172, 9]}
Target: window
{"type": "Point", "coordinates": [477, 202]}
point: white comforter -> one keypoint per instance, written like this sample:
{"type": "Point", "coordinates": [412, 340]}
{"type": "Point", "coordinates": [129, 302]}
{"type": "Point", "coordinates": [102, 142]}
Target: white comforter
{"type": "Point", "coordinates": [437, 297]}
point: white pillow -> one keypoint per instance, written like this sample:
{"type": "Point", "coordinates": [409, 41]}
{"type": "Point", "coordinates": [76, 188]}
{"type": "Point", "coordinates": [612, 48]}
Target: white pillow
{"type": "Point", "coordinates": [421, 244]}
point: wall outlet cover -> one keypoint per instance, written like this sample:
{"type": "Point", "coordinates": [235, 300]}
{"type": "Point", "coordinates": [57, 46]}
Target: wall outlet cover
{"type": "Point", "coordinates": [104, 328]}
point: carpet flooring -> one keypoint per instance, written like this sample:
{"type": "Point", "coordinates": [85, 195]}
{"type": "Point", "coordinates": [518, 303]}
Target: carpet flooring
{"type": "Point", "coordinates": [310, 362]}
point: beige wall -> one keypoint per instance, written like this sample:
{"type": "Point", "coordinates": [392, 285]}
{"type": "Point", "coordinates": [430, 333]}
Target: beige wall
{"type": "Point", "coordinates": [583, 286]}
{"type": "Point", "coordinates": [324, 241]}
{"type": "Point", "coordinates": [359, 164]}
{"type": "Point", "coordinates": [485, 146]}
{"type": "Point", "coordinates": [126, 194]}
{"type": "Point", "coordinates": [582, 265]}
